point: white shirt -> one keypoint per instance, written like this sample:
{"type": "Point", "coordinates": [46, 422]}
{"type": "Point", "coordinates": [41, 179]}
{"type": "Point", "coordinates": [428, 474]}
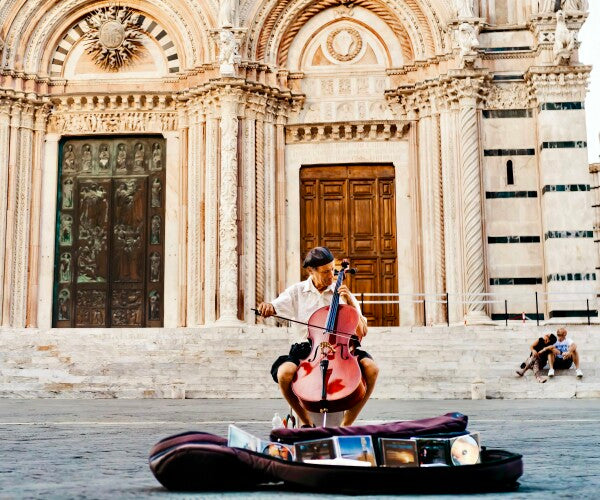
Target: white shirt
{"type": "Point", "coordinates": [563, 347]}
{"type": "Point", "coordinates": [301, 300]}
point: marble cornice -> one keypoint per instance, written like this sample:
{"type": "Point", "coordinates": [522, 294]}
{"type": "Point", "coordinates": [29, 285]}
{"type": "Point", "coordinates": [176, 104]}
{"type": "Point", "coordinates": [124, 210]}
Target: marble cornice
{"type": "Point", "coordinates": [449, 90]}
{"type": "Point", "coordinates": [365, 130]}
{"type": "Point", "coordinates": [558, 83]}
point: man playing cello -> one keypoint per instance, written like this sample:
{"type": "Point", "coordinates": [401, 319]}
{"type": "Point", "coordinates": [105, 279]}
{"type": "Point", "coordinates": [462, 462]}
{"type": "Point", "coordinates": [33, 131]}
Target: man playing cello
{"type": "Point", "coordinates": [299, 302]}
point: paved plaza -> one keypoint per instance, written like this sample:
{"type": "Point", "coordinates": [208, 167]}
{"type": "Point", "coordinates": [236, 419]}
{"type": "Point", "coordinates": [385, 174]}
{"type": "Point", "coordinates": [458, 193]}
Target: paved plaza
{"type": "Point", "coordinates": [99, 448]}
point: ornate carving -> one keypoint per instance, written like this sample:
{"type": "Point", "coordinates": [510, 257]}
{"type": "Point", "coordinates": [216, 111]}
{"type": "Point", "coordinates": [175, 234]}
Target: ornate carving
{"type": "Point", "coordinates": [260, 212]}
{"type": "Point", "coordinates": [114, 39]}
{"type": "Point", "coordinates": [228, 259]}
{"type": "Point", "coordinates": [344, 44]}
{"type": "Point", "coordinates": [64, 270]}
{"type": "Point", "coordinates": [67, 193]}
{"type": "Point", "coordinates": [154, 267]}
{"type": "Point", "coordinates": [155, 230]}
{"type": "Point", "coordinates": [64, 305]}
{"type": "Point", "coordinates": [128, 229]}
{"type": "Point", "coordinates": [127, 308]}
{"type": "Point", "coordinates": [121, 158]}
{"type": "Point", "coordinates": [564, 41]}
{"type": "Point", "coordinates": [228, 52]}
{"type": "Point", "coordinates": [69, 159]}
{"type": "Point", "coordinates": [508, 96]}
{"type": "Point", "coordinates": [349, 131]}
{"type": "Point", "coordinates": [104, 158]}
{"type": "Point", "coordinates": [154, 306]}
{"type": "Point", "coordinates": [156, 193]}
{"type": "Point", "coordinates": [90, 308]}
{"type": "Point", "coordinates": [97, 123]}
{"type": "Point", "coordinates": [466, 37]}
{"type": "Point", "coordinates": [93, 219]}
{"type": "Point", "coordinates": [139, 164]}
{"type": "Point", "coordinates": [66, 230]}
{"type": "Point", "coordinates": [86, 159]}
{"type": "Point", "coordinates": [558, 83]}
{"type": "Point", "coordinates": [156, 161]}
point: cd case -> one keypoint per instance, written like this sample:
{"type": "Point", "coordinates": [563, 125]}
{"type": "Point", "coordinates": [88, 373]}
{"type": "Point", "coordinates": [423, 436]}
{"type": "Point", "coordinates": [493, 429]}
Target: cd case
{"type": "Point", "coordinates": [239, 438]}
{"type": "Point", "coordinates": [354, 450]}
{"type": "Point", "coordinates": [398, 452]}
{"type": "Point", "coordinates": [454, 451]}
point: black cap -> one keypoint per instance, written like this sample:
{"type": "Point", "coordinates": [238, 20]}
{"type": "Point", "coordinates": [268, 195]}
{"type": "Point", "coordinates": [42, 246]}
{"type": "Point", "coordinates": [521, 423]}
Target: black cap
{"type": "Point", "coordinates": [318, 256]}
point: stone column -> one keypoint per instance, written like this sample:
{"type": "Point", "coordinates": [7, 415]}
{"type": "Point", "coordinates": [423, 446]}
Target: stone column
{"type": "Point", "coordinates": [228, 224]}
{"type": "Point", "coordinates": [270, 213]}
{"type": "Point", "coordinates": [16, 264]}
{"type": "Point", "coordinates": [34, 230]}
{"type": "Point", "coordinates": [564, 184]}
{"type": "Point", "coordinates": [260, 211]}
{"type": "Point", "coordinates": [280, 202]}
{"type": "Point", "coordinates": [470, 171]}
{"type": "Point", "coordinates": [451, 209]}
{"type": "Point", "coordinates": [171, 256]}
{"type": "Point", "coordinates": [183, 122]}
{"type": "Point", "coordinates": [211, 220]}
{"type": "Point", "coordinates": [248, 194]}
{"type": "Point", "coordinates": [48, 233]}
{"type": "Point", "coordinates": [5, 130]}
{"type": "Point", "coordinates": [431, 214]}
{"type": "Point", "coordinates": [195, 212]}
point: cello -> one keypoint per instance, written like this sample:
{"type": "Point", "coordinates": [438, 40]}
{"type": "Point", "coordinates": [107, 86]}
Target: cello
{"type": "Point", "coordinates": [330, 378]}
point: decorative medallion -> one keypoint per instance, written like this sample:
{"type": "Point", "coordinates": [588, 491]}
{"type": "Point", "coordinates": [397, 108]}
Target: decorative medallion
{"type": "Point", "coordinates": [114, 40]}
{"type": "Point", "coordinates": [344, 44]}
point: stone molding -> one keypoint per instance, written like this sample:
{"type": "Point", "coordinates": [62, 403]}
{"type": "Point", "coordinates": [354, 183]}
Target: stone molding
{"type": "Point", "coordinates": [348, 131]}
{"type": "Point", "coordinates": [508, 96]}
{"type": "Point", "coordinates": [558, 83]}
{"type": "Point", "coordinates": [124, 113]}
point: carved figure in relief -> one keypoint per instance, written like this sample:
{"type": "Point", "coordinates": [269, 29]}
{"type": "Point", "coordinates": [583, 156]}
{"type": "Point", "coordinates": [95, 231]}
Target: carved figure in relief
{"type": "Point", "coordinates": [154, 314]}
{"type": "Point", "coordinates": [97, 317]}
{"type": "Point", "coordinates": [138, 158]}
{"type": "Point", "coordinates": [227, 9]}
{"type": "Point", "coordinates": [92, 203]}
{"type": "Point", "coordinates": [86, 266]}
{"type": "Point", "coordinates": [464, 9]}
{"type": "Point", "coordinates": [228, 52]}
{"type": "Point", "coordinates": [564, 40]}
{"type": "Point", "coordinates": [466, 37]}
{"type": "Point", "coordinates": [64, 305]}
{"type": "Point", "coordinates": [67, 194]}
{"type": "Point", "coordinates": [128, 229]}
{"type": "Point", "coordinates": [66, 226]}
{"type": "Point", "coordinates": [86, 158]}
{"type": "Point", "coordinates": [156, 193]}
{"type": "Point", "coordinates": [69, 158]}
{"type": "Point", "coordinates": [154, 267]}
{"type": "Point", "coordinates": [103, 157]}
{"type": "Point", "coordinates": [155, 230]}
{"type": "Point", "coordinates": [121, 158]}
{"type": "Point", "coordinates": [65, 268]}
{"type": "Point", "coordinates": [156, 157]}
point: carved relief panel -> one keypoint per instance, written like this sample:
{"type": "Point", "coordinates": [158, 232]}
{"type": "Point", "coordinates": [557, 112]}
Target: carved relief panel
{"type": "Point", "coordinates": [110, 234]}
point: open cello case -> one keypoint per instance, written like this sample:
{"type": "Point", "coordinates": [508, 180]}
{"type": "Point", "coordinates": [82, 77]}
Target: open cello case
{"type": "Point", "coordinates": [200, 461]}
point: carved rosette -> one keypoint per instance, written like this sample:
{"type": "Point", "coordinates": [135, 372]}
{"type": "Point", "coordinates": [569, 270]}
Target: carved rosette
{"type": "Point", "coordinates": [228, 244]}
{"type": "Point", "coordinates": [114, 39]}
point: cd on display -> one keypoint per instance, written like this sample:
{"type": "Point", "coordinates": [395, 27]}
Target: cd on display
{"type": "Point", "coordinates": [464, 451]}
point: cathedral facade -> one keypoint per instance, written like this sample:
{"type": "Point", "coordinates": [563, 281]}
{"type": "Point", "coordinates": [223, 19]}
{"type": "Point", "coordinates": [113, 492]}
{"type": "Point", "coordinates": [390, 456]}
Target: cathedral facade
{"type": "Point", "coordinates": [167, 163]}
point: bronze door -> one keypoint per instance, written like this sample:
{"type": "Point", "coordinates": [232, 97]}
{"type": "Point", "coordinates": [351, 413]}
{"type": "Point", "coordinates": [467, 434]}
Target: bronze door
{"type": "Point", "coordinates": [351, 210]}
{"type": "Point", "coordinates": [110, 233]}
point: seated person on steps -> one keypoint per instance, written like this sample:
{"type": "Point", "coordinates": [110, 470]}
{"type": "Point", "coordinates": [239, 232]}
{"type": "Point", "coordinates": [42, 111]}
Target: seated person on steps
{"type": "Point", "coordinates": [299, 302]}
{"type": "Point", "coordinates": [540, 350]}
{"type": "Point", "coordinates": [564, 354]}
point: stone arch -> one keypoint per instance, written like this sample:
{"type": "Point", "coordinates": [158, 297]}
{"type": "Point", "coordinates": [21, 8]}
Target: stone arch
{"type": "Point", "coordinates": [151, 27]}
{"type": "Point", "coordinates": [36, 28]}
{"type": "Point", "coordinates": [418, 24]}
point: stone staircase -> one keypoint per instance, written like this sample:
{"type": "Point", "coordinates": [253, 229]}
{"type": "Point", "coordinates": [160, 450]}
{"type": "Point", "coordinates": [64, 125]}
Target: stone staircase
{"type": "Point", "coordinates": [211, 362]}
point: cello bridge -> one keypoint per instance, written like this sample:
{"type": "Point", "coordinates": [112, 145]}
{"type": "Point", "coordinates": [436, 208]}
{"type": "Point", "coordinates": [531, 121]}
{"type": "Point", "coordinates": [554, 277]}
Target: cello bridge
{"type": "Point", "coordinates": [327, 349]}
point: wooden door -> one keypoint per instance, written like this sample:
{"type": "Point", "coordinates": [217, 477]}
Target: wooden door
{"type": "Point", "coordinates": [351, 210]}
{"type": "Point", "coordinates": [110, 233]}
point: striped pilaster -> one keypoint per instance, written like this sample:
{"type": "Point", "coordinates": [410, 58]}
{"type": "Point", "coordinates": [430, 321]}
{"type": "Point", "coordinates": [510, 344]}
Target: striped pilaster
{"type": "Point", "coordinates": [567, 215]}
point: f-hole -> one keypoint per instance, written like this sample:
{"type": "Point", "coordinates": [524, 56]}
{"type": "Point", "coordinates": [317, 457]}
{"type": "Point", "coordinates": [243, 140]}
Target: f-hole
{"type": "Point", "coordinates": [510, 177]}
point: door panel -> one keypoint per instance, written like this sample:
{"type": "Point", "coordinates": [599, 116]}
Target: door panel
{"type": "Point", "coordinates": [351, 210]}
{"type": "Point", "coordinates": [110, 241]}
